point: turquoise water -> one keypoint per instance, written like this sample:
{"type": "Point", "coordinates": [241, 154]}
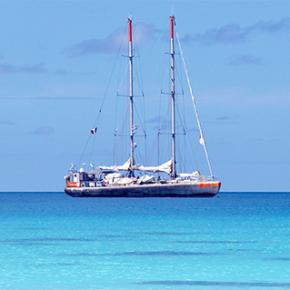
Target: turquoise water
{"type": "Point", "coordinates": [232, 241]}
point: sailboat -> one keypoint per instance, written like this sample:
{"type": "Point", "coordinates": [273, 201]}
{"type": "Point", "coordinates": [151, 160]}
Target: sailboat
{"type": "Point", "coordinates": [109, 181]}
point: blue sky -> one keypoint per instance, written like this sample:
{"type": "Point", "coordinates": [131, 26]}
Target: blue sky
{"type": "Point", "coordinates": [57, 57]}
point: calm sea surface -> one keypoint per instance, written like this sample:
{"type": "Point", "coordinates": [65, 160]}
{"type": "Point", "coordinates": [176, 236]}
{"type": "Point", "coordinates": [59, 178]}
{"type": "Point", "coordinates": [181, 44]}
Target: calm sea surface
{"type": "Point", "coordinates": [232, 241]}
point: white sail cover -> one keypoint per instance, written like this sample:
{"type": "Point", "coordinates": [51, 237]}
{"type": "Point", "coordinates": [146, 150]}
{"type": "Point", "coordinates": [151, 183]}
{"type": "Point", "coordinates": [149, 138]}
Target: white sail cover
{"type": "Point", "coordinates": [194, 174]}
{"type": "Point", "coordinates": [125, 166]}
{"type": "Point", "coordinates": [145, 179]}
{"type": "Point", "coordinates": [113, 176]}
{"type": "Point", "coordinates": [125, 181]}
{"type": "Point", "coordinates": [165, 167]}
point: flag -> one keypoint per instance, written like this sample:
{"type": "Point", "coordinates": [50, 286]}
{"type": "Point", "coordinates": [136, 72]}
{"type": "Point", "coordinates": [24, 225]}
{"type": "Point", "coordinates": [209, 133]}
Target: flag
{"type": "Point", "coordinates": [93, 131]}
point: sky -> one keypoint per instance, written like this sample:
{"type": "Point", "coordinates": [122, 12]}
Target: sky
{"type": "Point", "coordinates": [58, 64]}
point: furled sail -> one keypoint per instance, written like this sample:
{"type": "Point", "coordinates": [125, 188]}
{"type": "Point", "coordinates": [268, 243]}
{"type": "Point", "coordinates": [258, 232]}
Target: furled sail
{"type": "Point", "coordinates": [194, 174]}
{"type": "Point", "coordinates": [145, 179]}
{"type": "Point", "coordinates": [125, 166]}
{"type": "Point", "coordinates": [165, 167]}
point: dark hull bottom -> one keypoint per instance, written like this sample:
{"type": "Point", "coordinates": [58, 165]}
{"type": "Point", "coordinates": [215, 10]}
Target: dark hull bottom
{"type": "Point", "coordinates": [148, 190]}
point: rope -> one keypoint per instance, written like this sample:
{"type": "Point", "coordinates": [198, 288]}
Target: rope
{"type": "Point", "coordinates": [202, 141]}
{"type": "Point", "coordinates": [97, 120]}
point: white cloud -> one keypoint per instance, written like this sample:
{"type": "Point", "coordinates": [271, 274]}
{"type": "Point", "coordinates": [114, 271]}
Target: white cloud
{"type": "Point", "coordinates": [5, 122]}
{"type": "Point", "coordinates": [9, 68]}
{"type": "Point", "coordinates": [116, 41]}
{"type": "Point", "coordinates": [234, 33]}
{"type": "Point", "coordinates": [43, 130]}
{"type": "Point", "coordinates": [245, 59]}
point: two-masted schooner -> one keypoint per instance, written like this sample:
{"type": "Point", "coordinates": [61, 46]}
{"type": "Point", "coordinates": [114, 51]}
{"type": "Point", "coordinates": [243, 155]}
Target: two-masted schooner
{"type": "Point", "coordinates": [109, 181]}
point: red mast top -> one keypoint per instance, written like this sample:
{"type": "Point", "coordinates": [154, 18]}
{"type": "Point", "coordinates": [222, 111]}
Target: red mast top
{"type": "Point", "coordinates": [171, 26]}
{"type": "Point", "coordinates": [130, 30]}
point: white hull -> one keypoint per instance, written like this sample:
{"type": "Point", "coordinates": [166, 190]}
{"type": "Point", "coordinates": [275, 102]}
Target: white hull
{"type": "Point", "coordinates": [183, 189]}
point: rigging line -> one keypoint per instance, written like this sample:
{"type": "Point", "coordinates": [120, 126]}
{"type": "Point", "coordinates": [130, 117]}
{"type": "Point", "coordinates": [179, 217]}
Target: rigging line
{"type": "Point", "coordinates": [116, 129]}
{"type": "Point", "coordinates": [193, 152]}
{"type": "Point", "coordinates": [139, 156]}
{"type": "Point", "coordinates": [158, 152]}
{"type": "Point", "coordinates": [163, 73]}
{"type": "Point", "coordinates": [164, 126]}
{"type": "Point", "coordinates": [109, 158]}
{"type": "Point", "coordinates": [140, 82]}
{"type": "Point", "coordinates": [164, 123]}
{"type": "Point", "coordinates": [142, 105]}
{"type": "Point", "coordinates": [96, 123]}
{"type": "Point", "coordinates": [159, 129]}
{"type": "Point", "coordinates": [139, 85]}
{"type": "Point", "coordinates": [184, 130]}
{"type": "Point", "coordinates": [124, 118]}
{"type": "Point", "coordinates": [136, 111]}
{"type": "Point", "coordinates": [114, 152]}
{"type": "Point", "coordinates": [185, 152]}
{"type": "Point", "coordinates": [180, 118]}
{"type": "Point", "coordinates": [93, 146]}
{"type": "Point", "coordinates": [183, 127]}
{"type": "Point", "coordinates": [181, 160]}
{"type": "Point", "coordinates": [123, 78]}
{"type": "Point", "coordinates": [121, 44]}
{"type": "Point", "coordinates": [165, 67]}
{"type": "Point", "coordinates": [159, 114]}
{"type": "Point", "coordinates": [146, 151]}
{"type": "Point", "coordinates": [180, 79]}
{"type": "Point", "coordinates": [160, 123]}
{"type": "Point", "coordinates": [138, 71]}
{"type": "Point", "coordinates": [107, 88]}
{"type": "Point", "coordinates": [195, 109]}
{"type": "Point", "coordinates": [179, 74]}
{"type": "Point", "coordinates": [149, 51]}
{"type": "Point", "coordinates": [84, 151]}
{"type": "Point", "coordinates": [184, 112]}
{"type": "Point", "coordinates": [152, 151]}
{"type": "Point", "coordinates": [145, 126]}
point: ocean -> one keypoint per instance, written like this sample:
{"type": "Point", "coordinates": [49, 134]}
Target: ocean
{"type": "Point", "coordinates": [231, 241]}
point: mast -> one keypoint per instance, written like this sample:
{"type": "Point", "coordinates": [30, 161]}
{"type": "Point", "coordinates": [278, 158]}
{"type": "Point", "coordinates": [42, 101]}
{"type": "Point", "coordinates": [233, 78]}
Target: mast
{"type": "Point", "coordinates": [172, 97]}
{"type": "Point", "coordinates": [131, 97]}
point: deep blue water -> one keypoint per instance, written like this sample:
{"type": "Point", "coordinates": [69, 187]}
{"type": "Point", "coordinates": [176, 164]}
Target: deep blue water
{"type": "Point", "coordinates": [232, 241]}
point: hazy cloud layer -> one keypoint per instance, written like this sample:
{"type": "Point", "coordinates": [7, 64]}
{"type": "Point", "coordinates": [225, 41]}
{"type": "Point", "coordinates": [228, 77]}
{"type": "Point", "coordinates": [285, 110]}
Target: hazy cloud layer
{"type": "Point", "coordinates": [9, 123]}
{"type": "Point", "coordinates": [61, 72]}
{"type": "Point", "coordinates": [245, 59]}
{"type": "Point", "coordinates": [8, 68]}
{"type": "Point", "coordinates": [114, 42]}
{"type": "Point", "coordinates": [234, 33]}
{"type": "Point", "coordinates": [44, 130]}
